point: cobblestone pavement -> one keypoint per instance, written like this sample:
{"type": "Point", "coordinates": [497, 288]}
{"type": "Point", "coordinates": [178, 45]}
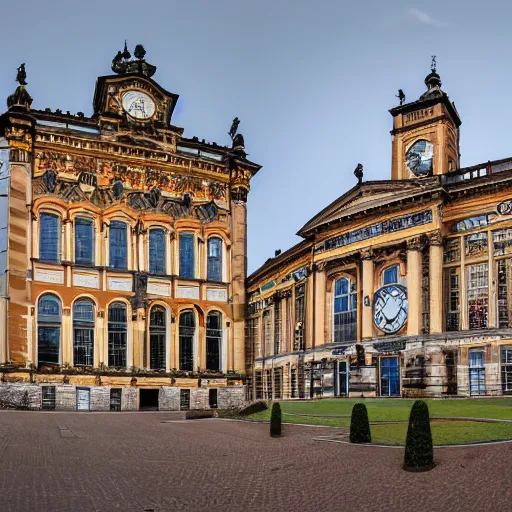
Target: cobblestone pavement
{"type": "Point", "coordinates": [142, 461]}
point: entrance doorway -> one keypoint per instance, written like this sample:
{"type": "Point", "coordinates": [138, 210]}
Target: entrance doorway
{"type": "Point", "coordinates": [342, 378]}
{"type": "Point", "coordinates": [83, 399]}
{"type": "Point", "coordinates": [389, 376]}
{"type": "Point", "coordinates": [148, 399]}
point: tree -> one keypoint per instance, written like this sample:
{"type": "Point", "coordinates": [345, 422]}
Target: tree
{"type": "Point", "coordinates": [419, 450]}
{"type": "Point", "coordinates": [275, 420]}
{"type": "Point", "coordinates": [359, 425]}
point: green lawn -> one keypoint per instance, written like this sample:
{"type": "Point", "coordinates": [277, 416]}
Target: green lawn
{"type": "Point", "coordinates": [444, 432]}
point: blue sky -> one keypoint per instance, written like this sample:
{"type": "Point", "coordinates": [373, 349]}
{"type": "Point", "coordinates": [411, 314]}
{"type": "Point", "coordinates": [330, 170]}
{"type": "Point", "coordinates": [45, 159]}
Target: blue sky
{"type": "Point", "coordinates": [312, 82]}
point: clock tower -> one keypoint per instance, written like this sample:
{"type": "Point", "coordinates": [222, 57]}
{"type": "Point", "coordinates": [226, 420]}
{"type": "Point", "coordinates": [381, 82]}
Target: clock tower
{"type": "Point", "coordinates": [425, 133]}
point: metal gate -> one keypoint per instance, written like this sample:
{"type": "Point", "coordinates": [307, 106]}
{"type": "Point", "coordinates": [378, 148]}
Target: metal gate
{"type": "Point", "coordinates": [83, 399]}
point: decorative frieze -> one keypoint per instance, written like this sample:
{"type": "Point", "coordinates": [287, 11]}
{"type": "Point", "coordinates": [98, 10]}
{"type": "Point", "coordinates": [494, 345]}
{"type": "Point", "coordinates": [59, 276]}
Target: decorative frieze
{"type": "Point", "coordinates": [120, 284]}
{"type": "Point", "coordinates": [86, 280]}
{"type": "Point", "coordinates": [159, 288]}
{"type": "Point", "coordinates": [187, 292]}
{"type": "Point", "coordinates": [49, 276]}
{"type": "Point", "coordinates": [216, 295]}
{"type": "Point", "coordinates": [381, 228]}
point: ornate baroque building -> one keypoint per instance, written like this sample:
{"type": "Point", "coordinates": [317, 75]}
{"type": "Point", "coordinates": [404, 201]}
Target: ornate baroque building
{"type": "Point", "coordinates": [400, 287]}
{"type": "Point", "coordinates": [123, 253]}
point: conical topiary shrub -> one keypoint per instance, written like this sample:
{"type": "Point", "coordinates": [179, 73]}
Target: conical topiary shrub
{"type": "Point", "coordinates": [275, 420]}
{"type": "Point", "coordinates": [359, 425]}
{"type": "Point", "coordinates": [419, 450]}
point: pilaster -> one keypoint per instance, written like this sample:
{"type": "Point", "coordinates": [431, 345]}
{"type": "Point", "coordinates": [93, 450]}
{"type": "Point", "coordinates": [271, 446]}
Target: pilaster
{"type": "Point", "coordinates": [414, 286]}
{"type": "Point", "coordinates": [435, 240]}
{"type": "Point", "coordinates": [366, 316]}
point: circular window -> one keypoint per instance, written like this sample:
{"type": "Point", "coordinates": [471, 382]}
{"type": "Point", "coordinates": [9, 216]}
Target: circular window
{"type": "Point", "coordinates": [419, 158]}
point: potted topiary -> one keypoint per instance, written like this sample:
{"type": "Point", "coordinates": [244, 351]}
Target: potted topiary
{"type": "Point", "coordinates": [419, 449]}
{"type": "Point", "coordinates": [275, 420]}
{"type": "Point", "coordinates": [359, 425]}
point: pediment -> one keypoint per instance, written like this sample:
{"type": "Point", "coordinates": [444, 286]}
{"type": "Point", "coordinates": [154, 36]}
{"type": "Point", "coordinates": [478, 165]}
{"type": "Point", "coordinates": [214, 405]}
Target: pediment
{"type": "Point", "coordinates": [367, 197]}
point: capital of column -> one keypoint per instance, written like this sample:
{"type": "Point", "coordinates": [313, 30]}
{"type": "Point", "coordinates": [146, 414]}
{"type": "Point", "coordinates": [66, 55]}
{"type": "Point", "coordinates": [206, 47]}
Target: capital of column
{"type": "Point", "coordinates": [415, 243]}
{"type": "Point", "coordinates": [366, 254]}
{"type": "Point", "coordinates": [435, 237]}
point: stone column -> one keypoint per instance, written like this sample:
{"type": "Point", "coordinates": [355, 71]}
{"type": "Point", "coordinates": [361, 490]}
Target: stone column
{"type": "Point", "coordinates": [414, 286]}
{"type": "Point", "coordinates": [436, 282]}
{"type": "Point", "coordinates": [366, 316]}
{"type": "Point", "coordinates": [320, 291]}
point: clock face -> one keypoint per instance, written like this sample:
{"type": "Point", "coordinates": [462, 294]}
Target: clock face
{"type": "Point", "coordinates": [138, 105]}
{"type": "Point", "coordinates": [419, 158]}
{"type": "Point", "coordinates": [390, 308]}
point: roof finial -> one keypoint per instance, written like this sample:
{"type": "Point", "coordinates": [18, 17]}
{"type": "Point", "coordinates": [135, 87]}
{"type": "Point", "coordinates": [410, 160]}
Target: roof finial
{"type": "Point", "coordinates": [433, 64]}
{"type": "Point", "coordinates": [126, 54]}
{"type": "Point", "coordinates": [123, 63]}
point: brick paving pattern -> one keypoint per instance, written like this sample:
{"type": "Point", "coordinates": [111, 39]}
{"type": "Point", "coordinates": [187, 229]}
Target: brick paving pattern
{"type": "Point", "coordinates": [146, 462]}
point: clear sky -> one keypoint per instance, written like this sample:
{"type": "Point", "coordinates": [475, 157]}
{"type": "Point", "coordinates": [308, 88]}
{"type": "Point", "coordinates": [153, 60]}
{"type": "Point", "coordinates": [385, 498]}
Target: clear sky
{"type": "Point", "coordinates": [311, 81]}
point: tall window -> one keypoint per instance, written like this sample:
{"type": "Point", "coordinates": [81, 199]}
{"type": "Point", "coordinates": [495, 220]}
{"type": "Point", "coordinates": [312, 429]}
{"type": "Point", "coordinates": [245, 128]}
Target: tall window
{"type": "Point", "coordinates": [300, 303]}
{"type": "Point", "coordinates": [117, 335]}
{"type": "Point", "coordinates": [506, 370]}
{"type": "Point", "coordinates": [213, 341]}
{"type": "Point", "coordinates": [478, 299]}
{"type": "Point", "coordinates": [267, 332]}
{"type": "Point", "coordinates": [390, 275]}
{"type": "Point", "coordinates": [187, 256]}
{"type": "Point", "coordinates": [187, 332]}
{"type": "Point", "coordinates": [83, 335]}
{"type": "Point", "coordinates": [452, 282]}
{"type": "Point", "coordinates": [49, 238]}
{"type": "Point", "coordinates": [118, 245]}
{"type": "Point", "coordinates": [157, 251]}
{"type": "Point", "coordinates": [157, 338]}
{"type": "Point", "coordinates": [277, 326]}
{"type": "Point", "coordinates": [214, 259]}
{"type": "Point", "coordinates": [84, 241]}
{"type": "Point", "coordinates": [345, 310]}
{"type": "Point", "coordinates": [49, 319]}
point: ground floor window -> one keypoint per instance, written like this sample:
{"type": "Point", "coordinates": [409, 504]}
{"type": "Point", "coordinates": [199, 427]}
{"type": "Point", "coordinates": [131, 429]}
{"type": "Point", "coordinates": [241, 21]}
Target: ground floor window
{"type": "Point", "coordinates": [184, 399]}
{"type": "Point", "coordinates": [187, 333]}
{"type": "Point", "coordinates": [117, 335]}
{"type": "Point", "coordinates": [293, 390]}
{"type": "Point", "coordinates": [83, 399]}
{"type": "Point", "coordinates": [212, 398]}
{"type": "Point", "coordinates": [258, 385]}
{"type": "Point", "coordinates": [115, 399]}
{"type": "Point", "coordinates": [278, 382]}
{"type": "Point", "coordinates": [342, 375]}
{"type": "Point", "coordinates": [389, 376]}
{"type": "Point", "coordinates": [506, 370]}
{"type": "Point", "coordinates": [476, 371]}
{"type": "Point", "coordinates": [48, 398]}
{"type": "Point", "coordinates": [213, 341]}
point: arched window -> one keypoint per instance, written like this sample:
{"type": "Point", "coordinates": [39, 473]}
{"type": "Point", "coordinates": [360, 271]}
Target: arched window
{"type": "Point", "coordinates": [117, 335]}
{"type": "Point", "coordinates": [187, 255]}
{"type": "Point", "coordinates": [390, 275]}
{"type": "Point", "coordinates": [157, 251]}
{"type": "Point", "coordinates": [118, 245]}
{"type": "Point", "coordinates": [187, 333]}
{"type": "Point", "coordinates": [213, 341]}
{"type": "Point", "coordinates": [83, 332]}
{"type": "Point", "coordinates": [345, 310]}
{"type": "Point", "coordinates": [49, 319]}
{"type": "Point", "coordinates": [84, 241]}
{"type": "Point", "coordinates": [214, 259]}
{"type": "Point", "coordinates": [157, 338]}
{"type": "Point", "coordinates": [49, 238]}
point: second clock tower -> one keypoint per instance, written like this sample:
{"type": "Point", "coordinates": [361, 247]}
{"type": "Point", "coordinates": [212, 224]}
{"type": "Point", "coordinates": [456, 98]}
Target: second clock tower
{"type": "Point", "coordinates": [425, 133]}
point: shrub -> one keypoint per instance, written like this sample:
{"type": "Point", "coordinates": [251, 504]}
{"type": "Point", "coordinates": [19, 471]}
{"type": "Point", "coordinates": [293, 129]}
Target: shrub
{"type": "Point", "coordinates": [359, 425]}
{"type": "Point", "coordinates": [419, 450]}
{"type": "Point", "coordinates": [275, 420]}
{"type": "Point", "coordinates": [253, 408]}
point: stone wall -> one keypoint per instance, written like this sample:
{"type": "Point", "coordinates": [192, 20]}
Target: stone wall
{"type": "Point", "coordinates": [169, 399]}
{"type": "Point", "coordinates": [29, 396]}
{"type": "Point", "coordinates": [231, 397]}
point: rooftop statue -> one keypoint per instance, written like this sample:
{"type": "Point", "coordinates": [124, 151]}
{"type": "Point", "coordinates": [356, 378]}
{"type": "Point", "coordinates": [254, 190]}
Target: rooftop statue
{"type": "Point", "coordinates": [20, 97]}
{"type": "Point", "coordinates": [122, 63]}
